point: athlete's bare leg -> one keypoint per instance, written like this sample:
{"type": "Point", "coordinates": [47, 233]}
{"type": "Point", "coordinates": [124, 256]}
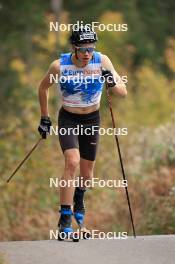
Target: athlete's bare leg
{"type": "Point", "coordinates": [72, 160]}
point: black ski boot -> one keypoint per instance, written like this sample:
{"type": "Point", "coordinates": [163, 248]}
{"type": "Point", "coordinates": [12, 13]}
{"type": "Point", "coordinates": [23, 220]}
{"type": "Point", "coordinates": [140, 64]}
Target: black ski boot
{"type": "Point", "coordinates": [79, 211]}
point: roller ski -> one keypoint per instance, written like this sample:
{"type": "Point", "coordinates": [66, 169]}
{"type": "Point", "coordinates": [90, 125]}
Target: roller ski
{"type": "Point", "coordinates": [79, 213]}
{"type": "Point", "coordinates": [66, 231]}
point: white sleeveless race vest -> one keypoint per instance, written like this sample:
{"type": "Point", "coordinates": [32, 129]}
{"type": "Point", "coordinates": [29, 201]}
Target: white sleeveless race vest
{"type": "Point", "coordinates": [80, 87]}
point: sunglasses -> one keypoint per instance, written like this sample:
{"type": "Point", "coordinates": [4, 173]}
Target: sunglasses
{"type": "Point", "coordinates": [84, 49]}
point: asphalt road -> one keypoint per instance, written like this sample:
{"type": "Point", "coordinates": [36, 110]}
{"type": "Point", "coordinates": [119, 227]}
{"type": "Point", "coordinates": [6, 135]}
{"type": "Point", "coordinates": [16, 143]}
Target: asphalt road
{"type": "Point", "coordinates": [142, 250]}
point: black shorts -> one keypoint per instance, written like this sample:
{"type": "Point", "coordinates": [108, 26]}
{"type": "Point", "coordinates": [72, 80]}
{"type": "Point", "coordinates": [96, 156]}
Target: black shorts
{"type": "Point", "coordinates": [79, 131]}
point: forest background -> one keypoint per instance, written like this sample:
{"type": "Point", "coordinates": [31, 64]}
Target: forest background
{"type": "Point", "coordinates": [145, 53]}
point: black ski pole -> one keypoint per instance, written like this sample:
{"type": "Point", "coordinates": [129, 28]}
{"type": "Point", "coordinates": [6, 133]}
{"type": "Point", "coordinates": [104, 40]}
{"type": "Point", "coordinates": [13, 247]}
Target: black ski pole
{"type": "Point", "coordinates": [120, 158]}
{"type": "Point", "coordinates": [26, 157]}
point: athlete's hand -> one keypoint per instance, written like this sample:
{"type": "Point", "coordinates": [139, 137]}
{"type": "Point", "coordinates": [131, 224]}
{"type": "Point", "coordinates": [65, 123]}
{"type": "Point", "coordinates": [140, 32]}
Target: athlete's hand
{"type": "Point", "coordinates": [109, 78]}
{"type": "Point", "coordinates": [44, 127]}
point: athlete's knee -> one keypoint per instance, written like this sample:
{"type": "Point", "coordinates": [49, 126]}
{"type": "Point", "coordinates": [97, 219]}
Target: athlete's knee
{"type": "Point", "coordinates": [72, 160]}
{"type": "Point", "coordinates": [72, 163]}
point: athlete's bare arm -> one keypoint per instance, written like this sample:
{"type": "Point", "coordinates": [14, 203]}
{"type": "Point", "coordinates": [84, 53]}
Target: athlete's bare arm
{"type": "Point", "coordinates": [43, 90]}
{"type": "Point", "coordinates": [120, 87]}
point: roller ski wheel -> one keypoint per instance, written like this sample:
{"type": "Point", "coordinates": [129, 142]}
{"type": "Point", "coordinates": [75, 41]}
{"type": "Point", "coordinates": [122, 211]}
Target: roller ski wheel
{"type": "Point", "coordinates": [85, 233]}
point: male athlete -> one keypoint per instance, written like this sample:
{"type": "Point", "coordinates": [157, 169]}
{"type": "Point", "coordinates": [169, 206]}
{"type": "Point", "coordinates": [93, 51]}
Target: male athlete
{"type": "Point", "coordinates": [80, 106]}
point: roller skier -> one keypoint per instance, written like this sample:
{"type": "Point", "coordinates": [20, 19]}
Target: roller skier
{"type": "Point", "coordinates": [80, 106]}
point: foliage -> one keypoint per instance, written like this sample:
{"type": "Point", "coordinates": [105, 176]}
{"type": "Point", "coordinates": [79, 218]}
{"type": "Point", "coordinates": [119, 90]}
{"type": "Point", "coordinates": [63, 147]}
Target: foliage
{"type": "Point", "coordinates": [145, 53]}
